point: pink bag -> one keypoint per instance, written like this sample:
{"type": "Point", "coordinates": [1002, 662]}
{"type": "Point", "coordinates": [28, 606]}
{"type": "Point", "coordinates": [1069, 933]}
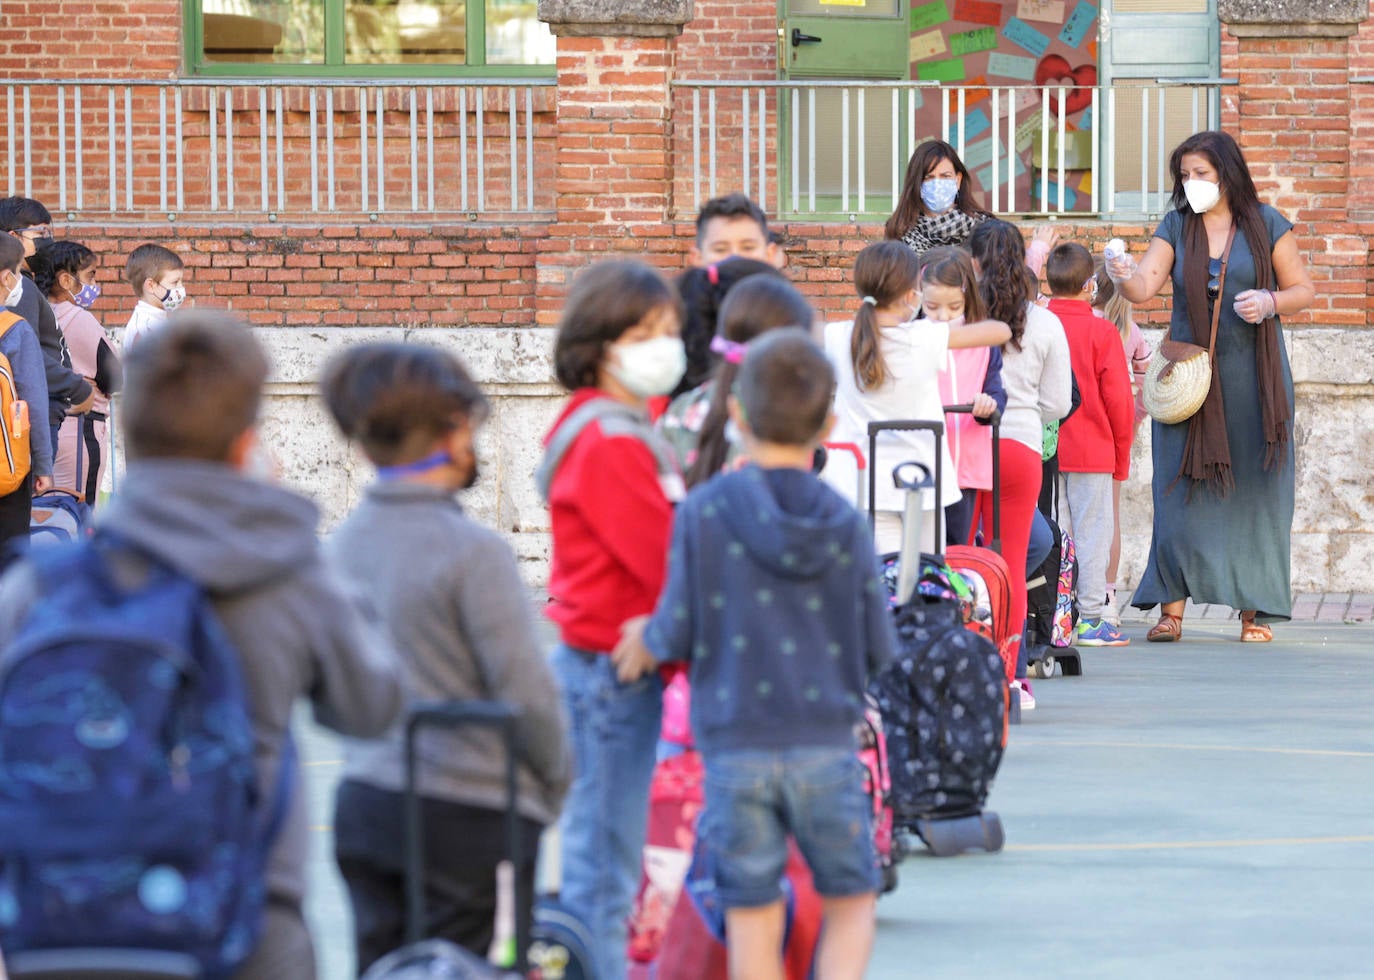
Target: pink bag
{"type": "Point", "coordinates": [677, 711]}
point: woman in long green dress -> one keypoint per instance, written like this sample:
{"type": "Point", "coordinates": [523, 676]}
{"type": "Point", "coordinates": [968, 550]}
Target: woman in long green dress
{"type": "Point", "coordinates": [1223, 479]}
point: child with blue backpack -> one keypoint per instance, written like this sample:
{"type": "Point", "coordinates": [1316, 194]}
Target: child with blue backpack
{"type": "Point", "coordinates": [774, 599]}
{"type": "Point", "coordinates": [160, 670]}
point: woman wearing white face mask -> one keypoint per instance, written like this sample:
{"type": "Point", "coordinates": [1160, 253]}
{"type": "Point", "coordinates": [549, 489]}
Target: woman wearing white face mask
{"type": "Point", "coordinates": [936, 206]}
{"type": "Point", "coordinates": [1223, 479]}
{"type": "Point", "coordinates": [610, 484]}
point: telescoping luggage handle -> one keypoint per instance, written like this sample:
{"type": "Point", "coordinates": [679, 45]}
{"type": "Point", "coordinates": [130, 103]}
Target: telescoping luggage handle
{"type": "Point", "coordinates": [459, 714]}
{"type": "Point", "coordinates": [904, 425]}
{"type": "Point", "coordinates": [995, 420]}
{"type": "Point", "coordinates": [860, 463]}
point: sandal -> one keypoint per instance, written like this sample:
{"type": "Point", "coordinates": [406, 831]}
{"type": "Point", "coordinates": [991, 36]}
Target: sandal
{"type": "Point", "coordinates": [1167, 630]}
{"type": "Point", "coordinates": [1252, 632]}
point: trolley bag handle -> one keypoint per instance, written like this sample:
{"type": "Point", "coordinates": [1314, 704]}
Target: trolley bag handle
{"type": "Point", "coordinates": [995, 420]}
{"type": "Point", "coordinates": [458, 714]}
{"type": "Point", "coordinates": [904, 425]}
{"type": "Point", "coordinates": [860, 463]}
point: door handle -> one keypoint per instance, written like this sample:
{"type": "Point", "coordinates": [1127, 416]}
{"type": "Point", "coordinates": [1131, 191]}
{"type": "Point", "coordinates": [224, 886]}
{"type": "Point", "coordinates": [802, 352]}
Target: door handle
{"type": "Point", "coordinates": [798, 38]}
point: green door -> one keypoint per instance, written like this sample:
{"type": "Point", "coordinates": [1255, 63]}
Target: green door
{"type": "Point", "coordinates": [829, 168]}
{"type": "Point", "coordinates": [844, 38]}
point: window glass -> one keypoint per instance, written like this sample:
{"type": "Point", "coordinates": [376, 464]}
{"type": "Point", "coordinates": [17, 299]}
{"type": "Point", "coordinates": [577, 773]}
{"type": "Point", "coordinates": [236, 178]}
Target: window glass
{"type": "Point", "coordinates": [282, 31]}
{"type": "Point", "coordinates": [406, 32]}
{"type": "Point", "coordinates": [516, 35]}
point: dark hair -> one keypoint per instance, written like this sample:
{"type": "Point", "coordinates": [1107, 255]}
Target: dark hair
{"type": "Point", "coordinates": [910, 207]}
{"type": "Point", "coordinates": [66, 256]}
{"type": "Point", "coordinates": [730, 206]}
{"type": "Point", "coordinates": [951, 265]}
{"type": "Point", "coordinates": [606, 299]}
{"type": "Point", "coordinates": [885, 271]}
{"type": "Point", "coordinates": [149, 261]}
{"type": "Point", "coordinates": [11, 253]}
{"type": "Point", "coordinates": [192, 387]}
{"type": "Point", "coordinates": [754, 307]}
{"type": "Point", "coordinates": [785, 388]}
{"type": "Point", "coordinates": [1006, 285]}
{"type": "Point", "coordinates": [395, 400]}
{"type": "Point", "coordinates": [1068, 269]}
{"type": "Point", "coordinates": [702, 291]}
{"type": "Point", "coordinates": [1233, 173]}
{"type": "Point", "coordinates": [18, 213]}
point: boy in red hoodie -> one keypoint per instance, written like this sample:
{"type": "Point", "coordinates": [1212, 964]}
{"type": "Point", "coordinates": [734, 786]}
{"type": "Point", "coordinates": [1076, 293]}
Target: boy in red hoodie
{"type": "Point", "coordinates": [1094, 442]}
{"type": "Point", "coordinates": [610, 484]}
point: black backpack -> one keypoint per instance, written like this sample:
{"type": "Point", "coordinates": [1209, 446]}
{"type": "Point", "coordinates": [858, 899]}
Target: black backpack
{"type": "Point", "coordinates": [944, 706]}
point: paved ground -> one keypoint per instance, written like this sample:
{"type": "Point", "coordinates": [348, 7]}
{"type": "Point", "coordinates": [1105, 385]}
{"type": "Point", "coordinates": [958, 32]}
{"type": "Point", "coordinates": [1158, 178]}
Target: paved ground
{"type": "Point", "coordinates": [1202, 810]}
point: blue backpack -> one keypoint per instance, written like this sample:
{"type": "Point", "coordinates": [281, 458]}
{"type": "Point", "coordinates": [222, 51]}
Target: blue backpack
{"type": "Point", "coordinates": [130, 814]}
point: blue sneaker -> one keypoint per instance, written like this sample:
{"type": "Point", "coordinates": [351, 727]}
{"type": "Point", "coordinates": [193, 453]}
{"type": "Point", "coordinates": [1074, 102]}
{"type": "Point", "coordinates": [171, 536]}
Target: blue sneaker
{"type": "Point", "coordinates": [1099, 634]}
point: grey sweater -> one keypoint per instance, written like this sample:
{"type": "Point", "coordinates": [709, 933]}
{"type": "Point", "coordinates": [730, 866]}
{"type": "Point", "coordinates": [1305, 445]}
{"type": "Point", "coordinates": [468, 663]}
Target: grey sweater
{"type": "Point", "coordinates": [253, 547]}
{"type": "Point", "coordinates": [462, 622]}
{"type": "Point", "coordinates": [1037, 378]}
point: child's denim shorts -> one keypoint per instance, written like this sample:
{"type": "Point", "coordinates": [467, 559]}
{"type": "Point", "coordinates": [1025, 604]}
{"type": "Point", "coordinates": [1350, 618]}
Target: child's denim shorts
{"type": "Point", "coordinates": [756, 799]}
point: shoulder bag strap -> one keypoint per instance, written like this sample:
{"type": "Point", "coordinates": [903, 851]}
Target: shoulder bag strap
{"type": "Point", "coordinates": [1221, 294]}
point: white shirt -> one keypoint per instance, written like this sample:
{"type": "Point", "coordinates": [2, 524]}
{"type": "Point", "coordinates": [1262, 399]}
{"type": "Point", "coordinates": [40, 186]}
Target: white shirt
{"type": "Point", "coordinates": [1036, 379]}
{"type": "Point", "coordinates": [145, 319]}
{"type": "Point", "coordinates": [913, 353]}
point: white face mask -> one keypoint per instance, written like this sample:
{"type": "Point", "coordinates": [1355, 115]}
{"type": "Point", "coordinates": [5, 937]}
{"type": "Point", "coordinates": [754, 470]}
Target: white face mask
{"type": "Point", "coordinates": [174, 297]}
{"type": "Point", "coordinates": [1201, 194]}
{"type": "Point", "coordinates": [649, 367]}
{"type": "Point", "coordinates": [17, 293]}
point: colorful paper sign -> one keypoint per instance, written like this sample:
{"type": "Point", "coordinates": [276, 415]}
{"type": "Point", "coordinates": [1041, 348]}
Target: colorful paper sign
{"type": "Point", "coordinates": [984, 173]}
{"type": "Point", "coordinates": [949, 70]}
{"type": "Point", "coordinates": [1021, 34]}
{"type": "Point", "coordinates": [1011, 66]}
{"type": "Point", "coordinates": [1085, 121]}
{"type": "Point", "coordinates": [979, 155]}
{"type": "Point", "coordinates": [971, 42]}
{"type": "Point", "coordinates": [976, 123]}
{"type": "Point", "coordinates": [977, 11]}
{"type": "Point", "coordinates": [1081, 21]}
{"type": "Point", "coordinates": [927, 45]}
{"type": "Point", "coordinates": [1049, 11]}
{"type": "Point", "coordinates": [1027, 133]}
{"type": "Point", "coordinates": [927, 15]}
{"type": "Point", "coordinates": [973, 94]}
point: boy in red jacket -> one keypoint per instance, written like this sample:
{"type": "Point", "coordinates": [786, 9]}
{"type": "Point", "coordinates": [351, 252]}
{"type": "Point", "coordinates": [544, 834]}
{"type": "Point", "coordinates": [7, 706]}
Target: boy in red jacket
{"type": "Point", "coordinates": [1095, 442]}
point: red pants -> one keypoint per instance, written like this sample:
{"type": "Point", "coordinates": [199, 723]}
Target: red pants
{"type": "Point", "coordinates": [1021, 475]}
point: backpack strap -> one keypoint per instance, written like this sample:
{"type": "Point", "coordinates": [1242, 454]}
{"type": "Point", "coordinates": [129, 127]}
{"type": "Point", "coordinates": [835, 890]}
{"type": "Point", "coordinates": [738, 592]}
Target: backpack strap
{"type": "Point", "coordinates": [8, 318]}
{"type": "Point", "coordinates": [616, 419]}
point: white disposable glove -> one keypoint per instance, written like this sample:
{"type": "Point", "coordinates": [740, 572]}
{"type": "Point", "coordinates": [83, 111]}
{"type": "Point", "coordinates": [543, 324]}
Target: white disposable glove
{"type": "Point", "coordinates": [1254, 305]}
{"type": "Point", "coordinates": [1120, 266]}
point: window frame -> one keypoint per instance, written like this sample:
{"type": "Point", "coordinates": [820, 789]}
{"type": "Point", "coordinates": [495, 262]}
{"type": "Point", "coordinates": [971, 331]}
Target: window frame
{"type": "Point", "coordinates": [333, 66]}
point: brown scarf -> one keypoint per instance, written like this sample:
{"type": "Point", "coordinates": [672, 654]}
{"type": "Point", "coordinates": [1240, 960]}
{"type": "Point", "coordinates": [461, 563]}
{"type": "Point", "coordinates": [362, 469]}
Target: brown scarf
{"type": "Point", "coordinates": [1207, 453]}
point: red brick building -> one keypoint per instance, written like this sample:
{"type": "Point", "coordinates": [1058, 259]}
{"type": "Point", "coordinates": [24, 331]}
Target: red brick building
{"type": "Point", "coordinates": [341, 167]}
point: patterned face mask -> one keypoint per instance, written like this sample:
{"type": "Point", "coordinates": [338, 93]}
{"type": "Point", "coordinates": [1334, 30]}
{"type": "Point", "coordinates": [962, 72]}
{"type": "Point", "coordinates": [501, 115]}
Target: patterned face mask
{"type": "Point", "coordinates": [939, 193]}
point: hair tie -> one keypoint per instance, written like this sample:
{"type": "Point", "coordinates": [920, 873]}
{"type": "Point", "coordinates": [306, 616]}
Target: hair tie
{"type": "Point", "coordinates": [871, 301]}
{"type": "Point", "coordinates": [713, 274]}
{"type": "Point", "coordinates": [731, 350]}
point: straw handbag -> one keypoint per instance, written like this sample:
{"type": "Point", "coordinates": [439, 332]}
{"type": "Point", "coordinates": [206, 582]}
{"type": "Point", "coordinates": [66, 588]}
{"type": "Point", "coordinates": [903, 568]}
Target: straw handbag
{"type": "Point", "coordinates": [1180, 374]}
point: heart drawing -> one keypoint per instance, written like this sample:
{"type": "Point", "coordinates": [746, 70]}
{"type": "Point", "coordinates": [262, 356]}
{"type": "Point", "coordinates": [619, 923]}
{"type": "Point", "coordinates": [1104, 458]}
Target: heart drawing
{"type": "Point", "coordinates": [1054, 68]}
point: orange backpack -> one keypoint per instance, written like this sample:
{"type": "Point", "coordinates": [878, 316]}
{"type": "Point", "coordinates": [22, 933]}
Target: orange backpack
{"type": "Point", "coordinates": [14, 420]}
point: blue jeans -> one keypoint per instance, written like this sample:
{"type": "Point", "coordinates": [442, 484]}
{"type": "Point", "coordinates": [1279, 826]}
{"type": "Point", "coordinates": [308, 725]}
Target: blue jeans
{"type": "Point", "coordinates": [614, 732]}
{"type": "Point", "coordinates": [755, 799]}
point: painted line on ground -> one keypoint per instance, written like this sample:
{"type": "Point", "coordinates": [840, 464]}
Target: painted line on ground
{"type": "Point", "coordinates": [1193, 844]}
{"type": "Point", "coordinates": [1054, 743]}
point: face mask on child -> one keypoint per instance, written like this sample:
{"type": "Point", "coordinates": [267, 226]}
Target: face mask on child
{"type": "Point", "coordinates": [939, 193]}
{"type": "Point", "coordinates": [172, 297]}
{"type": "Point", "coordinates": [86, 295]}
{"type": "Point", "coordinates": [17, 293]}
{"type": "Point", "coordinates": [649, 367]}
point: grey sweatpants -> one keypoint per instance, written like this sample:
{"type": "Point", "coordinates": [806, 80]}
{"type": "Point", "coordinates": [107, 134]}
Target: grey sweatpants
{"type": "Point", "coordinates": [1085, 511]}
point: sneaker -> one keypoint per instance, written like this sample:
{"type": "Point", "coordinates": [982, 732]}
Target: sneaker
{"type": "Point", "coordinates": [1023, 689]}
{"type": "Point", "coordinates": [1099, 634]}
{"type": "Point", "coordinates": [1110, 613]}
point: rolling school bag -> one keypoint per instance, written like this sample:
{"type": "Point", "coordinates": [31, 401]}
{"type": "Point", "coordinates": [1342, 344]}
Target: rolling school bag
{"type": "Point", "coordinates": [1052, 610]}
{"type": "Point", "coordinates": [944, 699]}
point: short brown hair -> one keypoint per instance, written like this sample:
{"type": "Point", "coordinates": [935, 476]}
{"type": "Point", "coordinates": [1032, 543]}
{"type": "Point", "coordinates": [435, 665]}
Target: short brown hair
{"type": "Point", "coordinates": [784, 388]}
{"type": "Point", "coordinates": [397, 399]}
{"type": "Point", "coordinates": [192, 387]}
{"type": "Point", "coordinates": [149, 261]}
{"type": "Point", "coordinates": [606, 299]}
{"type": "Point", "coordinates": [1068, 269]}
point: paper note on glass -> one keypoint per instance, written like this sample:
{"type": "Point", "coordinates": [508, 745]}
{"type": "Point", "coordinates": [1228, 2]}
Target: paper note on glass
{"type": "Point", "coordinates": [924, 15]}
{"type": "Point", "coordinates": [1081, 21]}
{"type": "Point", "coordinates": [1021, 34]}
{"type": "Point", "coordinates": [1011, 66]}
{"type": "Point", "coordinates": [978, 11]}
{"type": "Point", "coordinates": [950, 70]}
{"type": "Point", "coordinates": [1050, 11]}
{"type": "Point", "coordinates": [927, 45]}
{"type": "Point", "coordinates": [970, 42]}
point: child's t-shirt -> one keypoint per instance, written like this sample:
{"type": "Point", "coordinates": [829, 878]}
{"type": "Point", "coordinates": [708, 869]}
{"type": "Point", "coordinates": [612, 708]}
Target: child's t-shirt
{"type": "Point", "coordinates": [145, 319]}
{"type": "Point", "coordinates": [774, 599]}
{"type": "Point", "coordinates": [913, 353]}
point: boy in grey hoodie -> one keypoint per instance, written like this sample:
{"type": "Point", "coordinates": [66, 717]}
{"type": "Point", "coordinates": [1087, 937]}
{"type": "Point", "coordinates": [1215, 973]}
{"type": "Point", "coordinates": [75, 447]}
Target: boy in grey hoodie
{"type": "Point", "coordinates": [190, 414]}
{"type": "Point", "coordinates": [449, 591]}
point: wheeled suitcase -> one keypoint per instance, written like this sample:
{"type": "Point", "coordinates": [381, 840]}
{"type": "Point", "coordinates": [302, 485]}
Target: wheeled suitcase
{"type": "Point", "coordinates": [945, 699]}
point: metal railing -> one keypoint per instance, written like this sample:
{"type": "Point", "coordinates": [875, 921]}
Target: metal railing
{"type": "Point", "coordinates": [281, 147]}
{"type": "Point", "coordinates": [840, 148]}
